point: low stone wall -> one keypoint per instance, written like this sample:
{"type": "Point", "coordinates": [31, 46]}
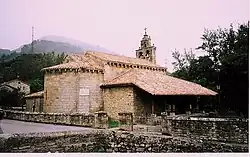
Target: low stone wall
{"type": "Point", "coordinates": [213, 129]}
{"type": "Point", "coordinates": [210, 129]}
{"type": "Point", "coordinates": [101, 120]}
{"type": "Point", "coordinates": [109, 141]}
{"type": "Point", "coordinates": [126, 121]}
{"type": "Point", "coordinates": [149, 120]}
{"type": "Point", "coordinates": [216, 129]}
{"type": "Point", "coordinates": [52, 118]}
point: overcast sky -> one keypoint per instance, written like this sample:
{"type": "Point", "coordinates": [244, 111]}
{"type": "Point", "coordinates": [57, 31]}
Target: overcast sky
{"type": "Point", "coordinates": [119, 25]}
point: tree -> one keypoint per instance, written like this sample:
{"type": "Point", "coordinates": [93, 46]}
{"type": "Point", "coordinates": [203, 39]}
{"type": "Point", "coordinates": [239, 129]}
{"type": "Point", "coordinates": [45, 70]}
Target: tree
{"type": "Point", "coordinates": [28, 68]}
{"type": "Point", "coordinates": [182, 63]}
{"type": "Point", "coordinates": [224, 67]}
{"type": "Point", "coordinates": [11, 98]}
{"type": "Point", "coordinates": [36, 85]}
{"type": "Point", "coordinates": [229, 50]}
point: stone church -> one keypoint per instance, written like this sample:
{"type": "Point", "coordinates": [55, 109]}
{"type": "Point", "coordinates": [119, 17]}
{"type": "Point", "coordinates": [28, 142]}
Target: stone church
{"type": "Point", "coordinates": [97, 81]}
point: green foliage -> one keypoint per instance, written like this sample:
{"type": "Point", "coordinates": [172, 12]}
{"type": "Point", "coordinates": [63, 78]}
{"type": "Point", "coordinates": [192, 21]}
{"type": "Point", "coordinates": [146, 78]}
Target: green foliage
{"type": "Point", "coordinates": [41, 46]}
{"type": "Point", "coordinates": [36, 85]}
{"type": "Point", "coordinates": [28, 68]}
{"type": "Point", "coordinates": [225, 65]}
{"type": "Point", "coordinates": [4, 52]}
{"type": "Point", "coordinates": [113, 123]}
{"type": "Point", "coordinates": [11, 98]}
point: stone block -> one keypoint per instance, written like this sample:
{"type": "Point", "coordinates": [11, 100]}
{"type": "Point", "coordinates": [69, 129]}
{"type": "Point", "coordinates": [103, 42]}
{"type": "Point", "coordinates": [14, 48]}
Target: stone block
{"type": "Point", "coordinates": [101, 120]}
{"type": "Point", "coordinates": [41, 117]}
{"type": "Point", "coordinates": [126, 121]}
{"type": "Point", "coordinates": [172, 114]}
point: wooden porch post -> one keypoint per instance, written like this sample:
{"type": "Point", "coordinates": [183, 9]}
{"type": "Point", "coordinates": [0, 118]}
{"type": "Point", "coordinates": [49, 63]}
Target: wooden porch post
{"type": "Point", "coordinates": [165, 103]}
{"type": "Point", "coordinates": [173, 108]}
{"type": "Point", "coordinates": [153, 106]}
{"type": "Point", "coordinates": [197, 104]}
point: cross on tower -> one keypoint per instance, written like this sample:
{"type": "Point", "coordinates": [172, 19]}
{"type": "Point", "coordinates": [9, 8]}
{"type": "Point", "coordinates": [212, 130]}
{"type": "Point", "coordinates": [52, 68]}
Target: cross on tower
{"type": "Point", "coordinates": [145, 31]}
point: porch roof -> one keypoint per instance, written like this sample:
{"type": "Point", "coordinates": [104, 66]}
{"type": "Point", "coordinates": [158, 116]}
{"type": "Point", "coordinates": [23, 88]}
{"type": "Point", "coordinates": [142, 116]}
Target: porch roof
{"type": "Point", "coordinates": [157, 83]}
{"type": "Point", "coordinates": [37, 94]}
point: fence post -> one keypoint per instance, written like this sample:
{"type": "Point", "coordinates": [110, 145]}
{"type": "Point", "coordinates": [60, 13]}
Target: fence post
{"type": "Point", "coordinates": [126, 121]}
{"type": "Point", "coordinates": [166, 124]}
{"type": "Point", "coordinates": [132, 126]}
{"type": "Point", "coordinates": [152, 119]}
{"type": "Point", "coordinates": [101, 120]}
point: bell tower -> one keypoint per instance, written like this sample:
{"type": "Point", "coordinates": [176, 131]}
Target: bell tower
{"type": "Point", "coordinates": [146, 50]}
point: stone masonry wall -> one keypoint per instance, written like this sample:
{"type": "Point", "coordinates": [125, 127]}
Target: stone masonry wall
{"type": "Point", "coordinates": [111, 72]}
{"type": "Point", "coordinates": [118, 100]}
{"type": "Point", "coordinates": [37, 101]}
{"type": "Point", "coordinates": [62, 92]}
{"type": "Point", "coordinates": [142, 103]}
{"type": "Point", "coordinates": [29, 104]}
{"type": "Point", "coordinates": [52, 118]}
{"type": "Point", "coordinates": [109, 141]}
{"type": "Point", "coordinates": [92, 82]}
{"type": "Point", "coordinates": [217, 129]}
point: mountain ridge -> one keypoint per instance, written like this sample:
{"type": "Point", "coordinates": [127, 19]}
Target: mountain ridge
{"type": "Point", "coordinates": [74, 42]}
{"type": "Point", "coordinates": [57, 44]}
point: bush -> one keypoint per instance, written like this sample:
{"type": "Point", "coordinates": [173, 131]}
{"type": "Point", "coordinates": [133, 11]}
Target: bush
{"type": "Point", "coordinates": [113, 123]}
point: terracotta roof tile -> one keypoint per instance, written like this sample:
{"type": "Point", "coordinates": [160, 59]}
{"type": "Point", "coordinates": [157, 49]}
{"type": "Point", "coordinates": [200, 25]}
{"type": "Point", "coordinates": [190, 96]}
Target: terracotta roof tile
{"type": "Point", "coordinates": [121, 59]}
{"type": "Point", "coordinates": [15, 80]}
{"type": "Point", "coordinates": [37, 94]}
{"type": "Point", "coordinates": [96, 60]}
{"type": "Point", "coordinates": [76, 62]}
{"type": "Point", "coordinates": [158, 83]}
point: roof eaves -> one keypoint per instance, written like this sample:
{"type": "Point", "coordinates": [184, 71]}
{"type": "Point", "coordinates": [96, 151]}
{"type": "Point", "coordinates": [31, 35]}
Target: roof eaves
{"type": "Point", "coordinates": [78, 67]}
{"type": "Point", "coordinates": [136, 64]}
{"type": "Point", "coordinates": [116, 85]}
{"type": "Point", "coordinates": [16, 80]}
{"type": "Point", "coordinates": [36, 94]}
{"type": "Point", "coordinates": [114, 61]}
{"type": "Point", "coordinates": [3, 84]}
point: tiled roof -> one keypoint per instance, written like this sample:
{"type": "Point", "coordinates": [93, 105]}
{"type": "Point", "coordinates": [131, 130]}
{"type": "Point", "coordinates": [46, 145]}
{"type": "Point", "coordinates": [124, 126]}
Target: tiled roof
{"type": "Point", "coordinates": [37, 94]}
{"type": "Point", "coordinates": [15, 80]}
{"type": "Point", "coordinates": [121, 59]}
{"type": "Point", "coordinates": [7, 85]}
{"type": "Point", "coordinates": [96, 61]}
{"type": "Point", "coordinates": [158, 83]}
{"type": "Point", "coordinates": [76, 62]}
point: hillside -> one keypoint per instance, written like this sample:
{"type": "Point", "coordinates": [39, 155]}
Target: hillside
{"type": "Point", "coordinates": [4, 52]}
{"type": "Point", "coordinates": [59, 44]}
{"type": "Point", "coordinates": [41, 46]}
{"type": "Point", "coordinates": [51, 43]}
{"type": "Point", "coordinates": [76, 43]}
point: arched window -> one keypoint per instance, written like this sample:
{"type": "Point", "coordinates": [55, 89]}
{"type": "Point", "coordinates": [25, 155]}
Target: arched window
{"type": "Point", "coordinates": [147, 55]}
{"type": "Point", "coordinates": [140, 54]}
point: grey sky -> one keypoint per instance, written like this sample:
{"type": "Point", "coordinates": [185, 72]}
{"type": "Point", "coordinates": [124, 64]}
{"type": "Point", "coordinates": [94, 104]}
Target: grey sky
{"type": "Point", "coordinates": [118, 24]}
